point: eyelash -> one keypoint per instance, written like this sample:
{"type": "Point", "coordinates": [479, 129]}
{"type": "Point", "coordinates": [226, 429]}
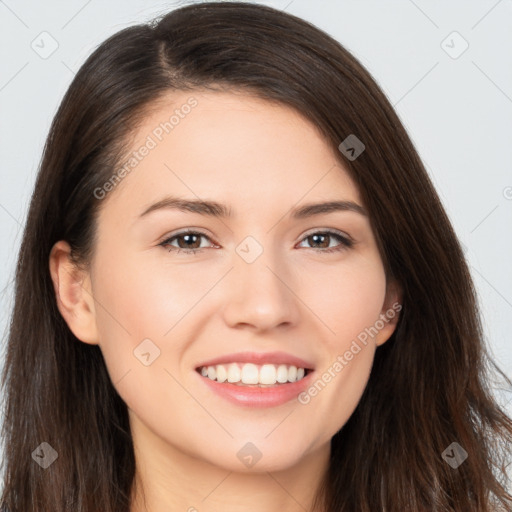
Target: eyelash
{"type": "Point", "coordinates": [345, 243]}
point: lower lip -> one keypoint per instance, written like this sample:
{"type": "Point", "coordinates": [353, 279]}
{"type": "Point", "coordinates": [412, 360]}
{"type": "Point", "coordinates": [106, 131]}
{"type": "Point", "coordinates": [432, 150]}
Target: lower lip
{"type": "Point", "coordinates": [256, 396]}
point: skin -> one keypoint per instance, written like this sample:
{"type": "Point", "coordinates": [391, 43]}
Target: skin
{"type": "Point", "coordinates": [261, 159]}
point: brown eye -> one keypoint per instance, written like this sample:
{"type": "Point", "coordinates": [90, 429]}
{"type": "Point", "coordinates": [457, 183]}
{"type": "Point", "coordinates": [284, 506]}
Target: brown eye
{"type": "Point", "coordinates": [322, 240]}
{"type": "Point", "coordinates": [188, 241]}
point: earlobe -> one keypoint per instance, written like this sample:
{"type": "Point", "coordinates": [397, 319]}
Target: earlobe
{"type": "Point", "coordinates": [390, 312]}
{"type": "Point", "coordinates": [73, 294]}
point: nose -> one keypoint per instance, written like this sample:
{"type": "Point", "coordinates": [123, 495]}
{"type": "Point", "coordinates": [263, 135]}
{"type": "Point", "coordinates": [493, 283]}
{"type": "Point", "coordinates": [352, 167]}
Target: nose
{"type": "Point", "coordinates": [260, 295]}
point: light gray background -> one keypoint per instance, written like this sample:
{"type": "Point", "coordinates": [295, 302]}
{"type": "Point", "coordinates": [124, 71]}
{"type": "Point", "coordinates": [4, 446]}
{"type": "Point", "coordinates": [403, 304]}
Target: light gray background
{"type": "Point", "coordinates": [458, 111]}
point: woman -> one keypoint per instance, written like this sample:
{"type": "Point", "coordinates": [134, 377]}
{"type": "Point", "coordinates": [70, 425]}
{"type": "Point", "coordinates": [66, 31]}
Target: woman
{"type": "Point", "coordinates": [255, 370]}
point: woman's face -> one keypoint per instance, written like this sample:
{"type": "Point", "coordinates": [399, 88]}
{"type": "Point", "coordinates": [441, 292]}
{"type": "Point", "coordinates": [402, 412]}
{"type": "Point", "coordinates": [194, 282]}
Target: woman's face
{"type": "Point", "coordinates": [264, 280]}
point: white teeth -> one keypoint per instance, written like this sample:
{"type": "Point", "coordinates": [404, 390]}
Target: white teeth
{"type": "Point", "coordinates": [292, 374]}
{"type": "Point", "coordinates": [222, 374]}
{"type": "Point", "coordinates": [268, 374]}
{"type": "Point", "coordinates": [233, 372]}
{"type": "Point", "coordinates": [252, 374]}
{"type": "Point", "coordinates": [212, 372]}
{"type": "Point", "coordinates": [282, 374]}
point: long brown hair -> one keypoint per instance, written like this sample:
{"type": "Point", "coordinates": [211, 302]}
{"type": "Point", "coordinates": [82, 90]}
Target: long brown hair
{"type": "Point", "coordinates": [430, 384]}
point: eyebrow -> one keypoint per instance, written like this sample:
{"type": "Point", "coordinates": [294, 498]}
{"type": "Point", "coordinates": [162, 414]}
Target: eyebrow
{"type": "Point", "coordinates": [215, 209]}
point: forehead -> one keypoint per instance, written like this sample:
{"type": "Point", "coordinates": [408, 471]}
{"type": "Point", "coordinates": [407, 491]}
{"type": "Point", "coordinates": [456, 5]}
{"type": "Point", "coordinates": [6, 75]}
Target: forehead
{"type": "Point", "coordinates": [232, 147]}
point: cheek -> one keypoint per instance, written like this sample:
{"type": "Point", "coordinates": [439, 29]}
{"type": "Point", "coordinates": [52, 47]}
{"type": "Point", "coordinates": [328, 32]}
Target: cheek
{"type": "Point", "coordinates": [349, 304]}
{"type": "Point", "coordinates": [347, 298]}
{"type": "Point", "coordinates": [350, 307]}
{"type": "Point", "coordinates": [144, 298]}
{"type": "Point", "coordinates": [139, 298]}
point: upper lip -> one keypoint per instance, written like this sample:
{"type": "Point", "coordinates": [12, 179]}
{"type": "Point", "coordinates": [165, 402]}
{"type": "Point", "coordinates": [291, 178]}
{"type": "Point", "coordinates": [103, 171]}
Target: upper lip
{"type": "Point", "coordinates": [259, 358]}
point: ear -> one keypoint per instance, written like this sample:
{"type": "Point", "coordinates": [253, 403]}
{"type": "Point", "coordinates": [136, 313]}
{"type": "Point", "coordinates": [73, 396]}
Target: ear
{"type": "Point", "coordinates": [73, 294]}
{"type": "Point", "coordinates": [390, 312]}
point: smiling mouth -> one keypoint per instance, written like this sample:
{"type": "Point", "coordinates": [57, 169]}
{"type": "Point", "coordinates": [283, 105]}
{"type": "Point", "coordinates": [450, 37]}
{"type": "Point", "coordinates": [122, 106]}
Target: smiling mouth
{"type": "Point", "coordinates": [253, 375]}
